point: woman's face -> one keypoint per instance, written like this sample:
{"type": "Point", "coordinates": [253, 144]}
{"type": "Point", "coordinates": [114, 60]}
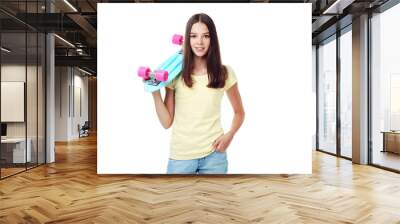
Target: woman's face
{"type": "Point", "coordinates": [199, 39]}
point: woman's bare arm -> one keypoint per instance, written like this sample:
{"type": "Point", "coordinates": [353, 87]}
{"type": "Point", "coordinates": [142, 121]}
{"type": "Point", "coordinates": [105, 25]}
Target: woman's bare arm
{"type": "Point", "coordinates": [165, 109]}
{"type": "Point", "coordinates": [237, 106]}
{"type": "Point", "coordinates": [223, 142]}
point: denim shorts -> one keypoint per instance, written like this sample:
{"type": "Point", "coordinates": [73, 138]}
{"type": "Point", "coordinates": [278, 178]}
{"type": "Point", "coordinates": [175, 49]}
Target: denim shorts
{"type": "Point", "coordinates": [214, 163]}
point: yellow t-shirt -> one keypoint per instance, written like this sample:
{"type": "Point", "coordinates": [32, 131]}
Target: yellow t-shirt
{"type": "Point", "coordinates": [197, 121]}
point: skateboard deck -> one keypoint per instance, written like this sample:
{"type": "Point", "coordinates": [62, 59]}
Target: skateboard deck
{"type": "Point", "coordinates": [173, 65]}
{"type": "Point", "coordinates": [165, 73]}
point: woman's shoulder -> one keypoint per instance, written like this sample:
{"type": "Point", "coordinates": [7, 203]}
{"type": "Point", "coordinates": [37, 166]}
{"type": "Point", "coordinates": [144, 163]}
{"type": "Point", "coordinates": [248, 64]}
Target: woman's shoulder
{"type": "Point", "coordinates": [227, 67]}
{"type": "Point", "coordinates": [229, 70]}
{"type": "Point", "coordinates": [173, 83]}
{"type": "Point", "coordinates": [231, 77]}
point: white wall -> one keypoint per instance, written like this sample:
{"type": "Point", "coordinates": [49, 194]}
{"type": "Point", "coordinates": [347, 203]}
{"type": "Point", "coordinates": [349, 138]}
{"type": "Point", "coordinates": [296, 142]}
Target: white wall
{"type": "Point", "coordinates": [70, 83]}
{"type": "Point", "coordinates": [17, 73]}
{"type": "Point", "coordinates": [62, 80]}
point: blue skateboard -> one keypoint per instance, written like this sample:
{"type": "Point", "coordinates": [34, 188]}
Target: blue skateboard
{"type": "Point", "coordinates": [166, 72]}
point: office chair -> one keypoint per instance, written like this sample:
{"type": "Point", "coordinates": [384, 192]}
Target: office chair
{"type": "Point", "coordinates": [84, 130]}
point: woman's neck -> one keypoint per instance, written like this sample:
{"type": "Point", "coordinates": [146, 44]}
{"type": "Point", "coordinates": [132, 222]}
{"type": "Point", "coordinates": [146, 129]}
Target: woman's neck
{"type": "Point", "coordinates": [200, 66]}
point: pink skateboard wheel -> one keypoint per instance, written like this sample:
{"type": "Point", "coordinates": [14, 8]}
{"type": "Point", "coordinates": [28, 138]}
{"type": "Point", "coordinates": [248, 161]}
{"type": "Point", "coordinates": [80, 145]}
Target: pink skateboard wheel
{"type": "Point", "coordinates": [177, 39]}
{"type": "Point", "coordinates": [161, 75]}
{"type": "Point", "coordinates": [144, 72]}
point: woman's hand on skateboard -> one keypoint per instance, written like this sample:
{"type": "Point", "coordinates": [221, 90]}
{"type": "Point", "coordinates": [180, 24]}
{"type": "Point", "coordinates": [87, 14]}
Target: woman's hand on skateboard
{"type": "Point", "coordinates": [156, 93]}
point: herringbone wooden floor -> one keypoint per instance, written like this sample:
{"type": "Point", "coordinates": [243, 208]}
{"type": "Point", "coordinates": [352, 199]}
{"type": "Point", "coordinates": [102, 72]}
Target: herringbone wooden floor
{"type": "Point", "coordinates": [70, 191]}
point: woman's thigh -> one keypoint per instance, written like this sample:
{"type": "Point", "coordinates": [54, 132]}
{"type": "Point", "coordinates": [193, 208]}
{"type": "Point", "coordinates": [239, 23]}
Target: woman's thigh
{"type": "Point", "coordinates": [182, 166]}
{"type": "Point", "coordinates": [215, 163]}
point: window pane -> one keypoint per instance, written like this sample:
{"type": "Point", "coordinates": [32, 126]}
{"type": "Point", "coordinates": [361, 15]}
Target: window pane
{"type": "Point", "coordinates": [386, 88]}
{"type": "Point", "coordinates": [346, 93]}
{"type": "Point", "coordinates": [327, 96]}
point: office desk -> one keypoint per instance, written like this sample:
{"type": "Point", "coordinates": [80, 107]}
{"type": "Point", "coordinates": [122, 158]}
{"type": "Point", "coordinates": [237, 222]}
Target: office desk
{"type": "Point", "coordinates": [391, 141]}
{"type": "Point", "coordinates": [15, 148]}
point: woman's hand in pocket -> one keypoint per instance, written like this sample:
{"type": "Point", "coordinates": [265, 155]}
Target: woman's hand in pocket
{"type": "Point", "coordinates": [222, 142]}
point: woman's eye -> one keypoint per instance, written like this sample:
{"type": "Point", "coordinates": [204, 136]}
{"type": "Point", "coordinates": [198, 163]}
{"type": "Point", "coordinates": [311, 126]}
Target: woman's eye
{"type": "Point", "coordinates": [207, 36]}
{"type": "Point", "coordinates": [192, 36]}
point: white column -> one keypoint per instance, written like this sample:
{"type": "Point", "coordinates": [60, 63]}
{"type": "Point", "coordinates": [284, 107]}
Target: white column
{"type": "Point", "coordinates": [50, 93]}
{"type": "Point", "coordinates": [360, 90]}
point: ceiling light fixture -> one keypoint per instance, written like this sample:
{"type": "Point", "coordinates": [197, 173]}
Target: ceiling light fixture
{"type": "Point", "coordinates": [338, 6]}
{"type": "Point", "coordinates": [5, 49]}
{"type": "Point", "coordinates": [70, 5]}
{"type": "Point", "coordinates": [86, 72]}
{"type": "Point", "coordinates": [64, 40]}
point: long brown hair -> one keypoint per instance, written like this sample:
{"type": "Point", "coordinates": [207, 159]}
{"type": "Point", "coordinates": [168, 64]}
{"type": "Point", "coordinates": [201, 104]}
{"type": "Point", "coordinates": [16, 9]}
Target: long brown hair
{"type": "Point", "coordinates": [217, 73]}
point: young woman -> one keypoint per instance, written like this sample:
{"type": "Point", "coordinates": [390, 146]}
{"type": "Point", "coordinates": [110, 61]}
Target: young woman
{"type": "Point", "coordinates": [192, 103]}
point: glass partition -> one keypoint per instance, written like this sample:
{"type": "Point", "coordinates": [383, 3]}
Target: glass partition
{"type": "Point", "coordinates": [22, 77]}
{"type": "Point", "coordinates": [13, 109]}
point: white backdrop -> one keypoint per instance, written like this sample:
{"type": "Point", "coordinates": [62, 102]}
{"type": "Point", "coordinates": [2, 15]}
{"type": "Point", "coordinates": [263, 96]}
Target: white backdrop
{"type": "Point", "coordinates": [267, 45]}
